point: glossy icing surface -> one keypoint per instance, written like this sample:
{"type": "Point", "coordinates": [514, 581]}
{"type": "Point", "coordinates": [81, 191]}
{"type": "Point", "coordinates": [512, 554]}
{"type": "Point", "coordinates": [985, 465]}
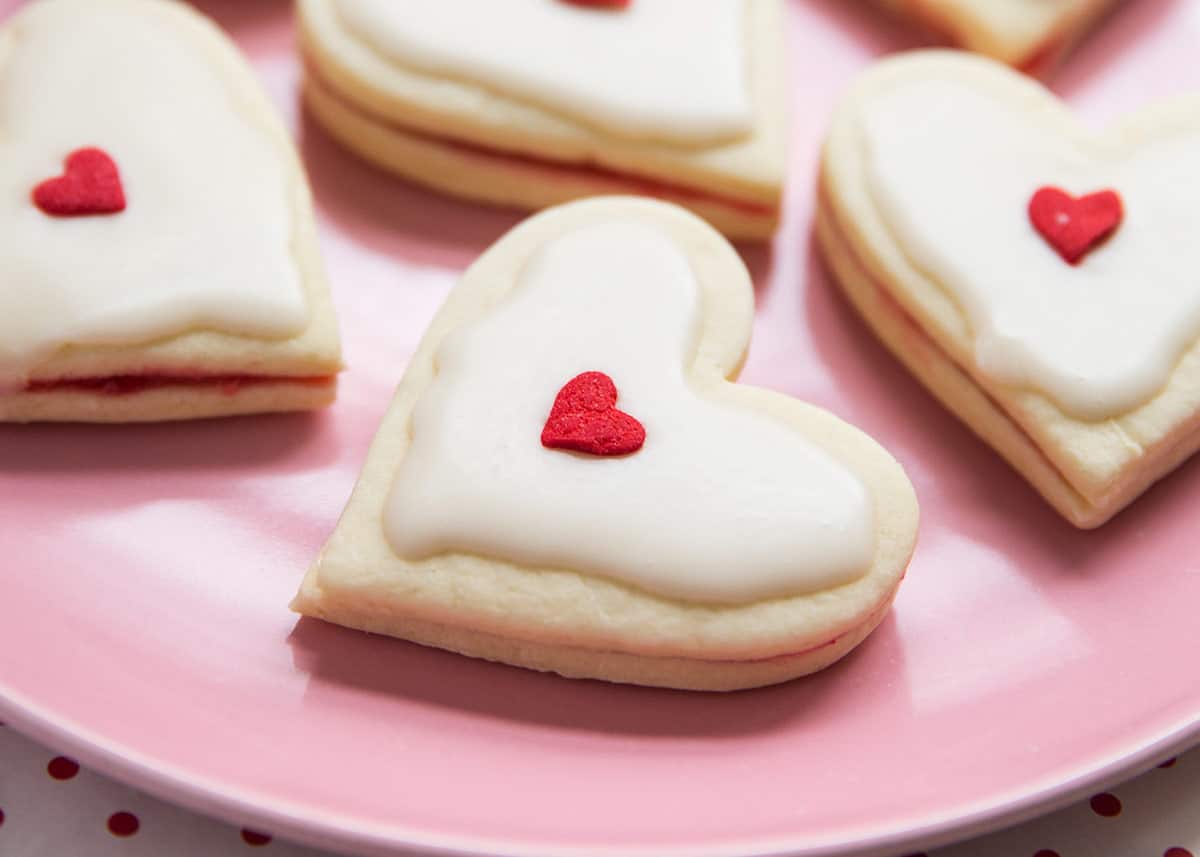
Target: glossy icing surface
{"type": "Point", "coordinates": [720, 504]}
{"type": "Point", "coordinates": [656, 69]}
{"type": "Point", "coordinates": [954, 189]}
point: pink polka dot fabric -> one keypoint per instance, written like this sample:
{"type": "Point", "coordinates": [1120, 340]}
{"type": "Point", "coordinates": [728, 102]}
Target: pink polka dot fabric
{"type": "Point", "coordinates": [50, 805]}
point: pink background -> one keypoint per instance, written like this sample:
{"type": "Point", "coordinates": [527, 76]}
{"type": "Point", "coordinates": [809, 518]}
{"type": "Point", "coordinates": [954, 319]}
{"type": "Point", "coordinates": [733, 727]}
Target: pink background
{"type": "Point", "coordinates": [143, 622]}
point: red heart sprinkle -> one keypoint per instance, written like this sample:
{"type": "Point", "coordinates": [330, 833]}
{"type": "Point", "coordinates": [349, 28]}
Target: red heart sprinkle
{"type": "Point", "coordinates": [601, 4]}
{"type": "Point", "coordinates": [90, 184]}
{"type": "Point", "coordinates": [585, 418]}
{"type": "Point", "coordinates": [1074, 226]}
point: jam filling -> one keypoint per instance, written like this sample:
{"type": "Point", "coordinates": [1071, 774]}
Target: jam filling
{"type": "Point", "coordinates": [124, 385]}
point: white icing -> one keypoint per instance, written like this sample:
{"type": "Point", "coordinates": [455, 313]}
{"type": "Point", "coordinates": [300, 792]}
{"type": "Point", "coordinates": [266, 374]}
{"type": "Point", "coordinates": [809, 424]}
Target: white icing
{"type": "Point", "coordinates": [669, 69]}
{"type": "Point", "coordinates": [952, 169]}
{"type": "Point", "coordinates": [205, 239]}
{"type": "Point", "coordinates": [719, 505]}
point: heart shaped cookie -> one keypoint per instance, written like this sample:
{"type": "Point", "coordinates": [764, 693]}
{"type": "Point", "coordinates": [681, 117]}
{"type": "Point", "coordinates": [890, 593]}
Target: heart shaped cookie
{"type": "Point", "coordinates": [531, 103]}
{"type": "Point", "coordinates": [1039, 279]}
{"type": "Point", "coordinates": [749, 539]}
{"type": "Point", "coordinates": [1028, 34]}
{"type": "Point", "coordinates": [150, 274]}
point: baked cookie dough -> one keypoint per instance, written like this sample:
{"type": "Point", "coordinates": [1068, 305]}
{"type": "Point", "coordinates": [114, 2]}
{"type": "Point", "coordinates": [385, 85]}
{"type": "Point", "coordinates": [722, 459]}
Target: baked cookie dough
{"type": "Point", "coordinates": [1027, 34]}
{"type": "Point", "coordinates": [568, 479]}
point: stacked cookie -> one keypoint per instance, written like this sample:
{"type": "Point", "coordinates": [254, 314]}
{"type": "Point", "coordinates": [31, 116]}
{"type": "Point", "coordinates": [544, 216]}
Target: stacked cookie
{"type": "Point", "coordinates": [642, 518]}
{"type": "Point", "coordinates": [531, 103]}
{"type": "Point", "coordinates": [1017, 263]}
{"type": "Point", "coordinates": [140, 278]}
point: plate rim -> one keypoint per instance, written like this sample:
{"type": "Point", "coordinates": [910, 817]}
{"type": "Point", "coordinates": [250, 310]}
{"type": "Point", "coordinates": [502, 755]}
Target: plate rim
{"type": "Point", "coordinates": [306, 825]}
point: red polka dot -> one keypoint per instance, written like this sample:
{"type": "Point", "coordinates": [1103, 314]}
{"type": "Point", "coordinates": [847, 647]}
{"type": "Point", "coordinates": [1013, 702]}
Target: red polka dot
{"type": "Point", "coordinates": [62, 768]}
{"type": "Point", "coordinates": [123, 824]}
{"type": "Point", "coordinates": [1170, 763]}
{"type": "Point", "coordinates": [1046, 852]}
{"type": "Point", "coordinates": [1177, 852]}
{"type": "Point", "coordinates": [1107, 805]}
{"type": "Point", "coordinates": [253, 837]}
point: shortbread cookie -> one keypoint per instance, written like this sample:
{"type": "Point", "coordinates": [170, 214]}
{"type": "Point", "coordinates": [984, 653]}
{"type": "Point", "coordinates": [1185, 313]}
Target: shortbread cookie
{"type": "Point", "coordinates": [158, 254]}
{"type": "Point", "coordinates": [567, 481]}
{"type": "Point", "coordinates": [530, 103]}
{"type": "Point", "coordinates": [1028, 34]}
{"type": "Point", "coordinates": [1040, 279]}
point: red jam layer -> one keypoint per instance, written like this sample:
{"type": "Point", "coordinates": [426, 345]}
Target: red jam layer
{"type": "Point", "coordinates": [628, 182]}
{"type": "Point", "coordinates": [124, 385]}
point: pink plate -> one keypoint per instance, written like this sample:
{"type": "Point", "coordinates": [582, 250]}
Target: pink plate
{"type": "Point", "coordinates": [143, 596]}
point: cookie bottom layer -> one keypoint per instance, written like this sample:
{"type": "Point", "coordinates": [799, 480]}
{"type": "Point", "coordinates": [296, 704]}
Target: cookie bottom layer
{"type": "Point", "coordinates": [1038, 58]}
{"type": "Point", "coordinates": [159, 399]}
{"type": "Point", "coordinates": [497, 178]}
{"type": "Point", "coordinates": [582, 663]}
{"type": "Point", "coordinates": [962, 395]}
